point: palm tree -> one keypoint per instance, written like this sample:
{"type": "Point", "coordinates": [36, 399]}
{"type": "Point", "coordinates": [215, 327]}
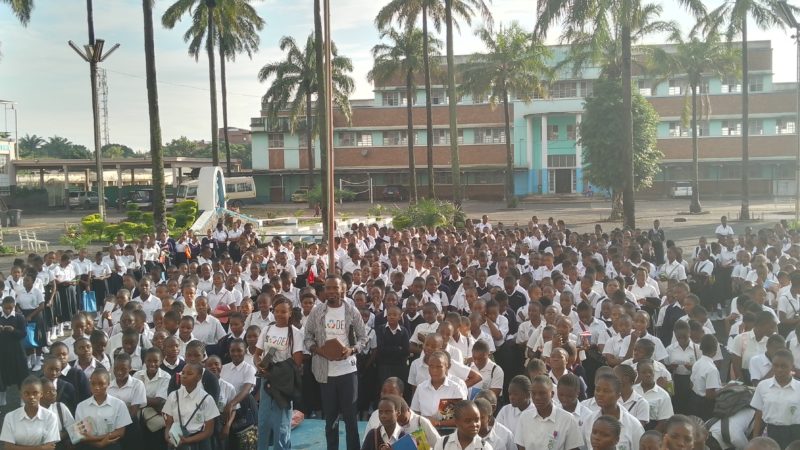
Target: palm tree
{"type": "Point", "coordinates": [696, 60]}
{"type": "Point", "coordinates": [21, 8]}
{"type": "Point", "coordinates": [403, 57]}
{"type": "Point", "coordinates": [28, 145]}
{"type": "Point", "coordinates": [238, 25]}
{"type": "Point", "coordinates": [297, 84]}
{"type": "Point", "coordinates": [202, 26]}
{"type": "Point", "coordinates": [156, 151]}
{"type": "Point", "coordinates": [514, 64]}
{"type": "Point", "coordinates": [604, 19]}
{"type": "Point", "coordinates": [322, 123]}
{"type": "Point", "coordinates": [732, 16]}
{"type": "Point", "coordinates": [406, 12]}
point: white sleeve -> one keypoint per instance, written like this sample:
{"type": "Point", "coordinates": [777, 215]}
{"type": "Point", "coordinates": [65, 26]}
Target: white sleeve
{"type": "Point", "coordinates": [139, 397]}
{"type": "Point", "coordinates": [497, 377]}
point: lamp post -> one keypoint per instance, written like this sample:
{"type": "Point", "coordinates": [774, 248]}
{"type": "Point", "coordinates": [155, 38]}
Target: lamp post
{"type": "Point", "coordinates": [93, 54]}
{"type": "Point", "coordinates": [787, 14]}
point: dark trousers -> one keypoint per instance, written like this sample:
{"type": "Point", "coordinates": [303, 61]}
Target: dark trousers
{"type": "Point", "coordinates": [339, 396]}
{"type": "Point", "coordinates": [783, 435]}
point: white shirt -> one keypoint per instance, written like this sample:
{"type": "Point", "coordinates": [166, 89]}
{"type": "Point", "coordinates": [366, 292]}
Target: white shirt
{"type": "Point", "coordinates": [645, 291]}
{"type": "Point", "coordinates": [188, 403]}
{"type": "Point", "coordinates": [630, 434]}
{"type": "Point", "coordinates": [760, 365]}
{"type": "Point", "coordinates": [787, 303]}
{"type": "Point", "coordinates": [453, 444]}
{"type": "Point", "coordinates": [219, 298]}
{"type": "Point", "coordinates": [740, 427]}
{"type": "Point", "coordinates": [659, 354]}
{"type": "Point", "coordinates": [426, 398]}
{"type": "Point", "coordinates": [109, 416]}
{"type": "Point", "coordinates": [558, 431]}
{"type": "Point", "coordinates": [724, 230]}
{"type": "Point", "coordinates": [637, 406]}
{"type": "Point", "coordinates": [778, 404]}
{"type": "Point", "coordinates": [425, 329]}
{"type": "Point", "coordinates": [745, 346]}
{"type": "Point", "coordinates": [509, 415]}
{"type": "Point", "coordinates": [415, 422]}
{"type": "Point", "coordinates": [335, 329]}
{"type": "Point", "coordinates": [705, 375]}
{"type": "Point", "coordinates": [150, 305]}
{"type": "Point", "coordinates": [276, 337]}
{"type": "Point", "coordinates": [19, 429]}
{"type": "Point", "coordinates": [132, 392]}
{"type": "Point", "coordinates": [255, 318]}
{"type": "Point", "coordinates": [680, 356]}
{"type": "Point", "coordinates": [673, 271]}
{"type": "Point", "coordinates": [155, 387]}
{"type": "Point", "coordinates": [29, 299]}
{"type": "Point", "coordinates": [492, 375]}
{"type": "Point", "coordinates": [208, 331]}
{"type": "Point", "coordinates": [239, 375]}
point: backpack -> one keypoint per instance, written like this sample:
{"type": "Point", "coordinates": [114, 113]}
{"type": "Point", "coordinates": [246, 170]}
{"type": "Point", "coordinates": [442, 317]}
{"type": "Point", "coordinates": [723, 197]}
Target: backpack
{"type": "Point", "coordinates": [731, 398]}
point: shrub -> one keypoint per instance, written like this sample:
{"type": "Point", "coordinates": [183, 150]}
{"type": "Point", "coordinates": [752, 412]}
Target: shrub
{"type": "Point", "coordinates": [315, 195]}
{"type": "Point", "coordinates": [429, 213]}
{"type": "Point", "coordinates": [93, 226]}
{"type": "Point", "coordinates": [75, 238]}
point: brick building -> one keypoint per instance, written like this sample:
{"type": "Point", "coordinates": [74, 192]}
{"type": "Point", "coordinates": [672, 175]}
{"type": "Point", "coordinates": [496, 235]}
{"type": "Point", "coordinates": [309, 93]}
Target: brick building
{"type": "Point", "coordinates": [374, 144]}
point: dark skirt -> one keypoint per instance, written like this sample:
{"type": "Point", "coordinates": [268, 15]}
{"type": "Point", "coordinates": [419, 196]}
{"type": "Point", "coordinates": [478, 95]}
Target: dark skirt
{"type": "Point", "coordinates": [133, 437]}
{"type": "Point", "coordinates": [784, 435]}
{"type": "Point", "coordinates": [100, 288]}
{"type": "Point", "coordinates": [151, 440]}
{"type": "Point", "coordinates": [67, 305]}
{"type": "Point", "coordinates": [701, 407]}
{"type": "Point", "coordinates": [41, 329]}
{"type": "Point", "coordinates": [681, 399]}
{"type": "Point", "coordinates": [14, 368]}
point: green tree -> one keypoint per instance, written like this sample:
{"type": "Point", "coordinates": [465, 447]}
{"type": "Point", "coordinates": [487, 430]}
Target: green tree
{"type": "Point", "coordinates": [29, 145]}
{"type": "Point", "coordinates": [117, 151]}
{"type": "Point", "coordinates": [406, 13]}
{"type": "Point", "coordinates": [731, 17]}
{"type": "Point", "coordinates": [183, 146]}
{"type": "Point", "coordinates": [296, 85]}
{"type": "Point", "coordinates": [322, 122]}
{"type": "Point", "coordinates": [21, 8]}
{"type": "Point", "coordinates": [238, 28]}
{"type": "Point", "coordinates": [695, 61]}
{"type": "Point", "coordinates": [599, 135]}
{"type": "Point", "coordinates": [513, 63]}
{"type": "Point", "coordinates": [403, 57]}
{"type": "Point", "coordinates": [154, 118]}
{"type": "Point", "coordinates": [604, 20]}
{"type": "Point", "coordinates": [201, 27]}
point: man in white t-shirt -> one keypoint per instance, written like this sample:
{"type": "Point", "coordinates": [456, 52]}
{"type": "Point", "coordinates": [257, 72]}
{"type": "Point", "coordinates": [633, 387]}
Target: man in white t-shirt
{"type": "Point", "coordinates": [723, 230]}
{"type": "Point", "coordinates": [336, 374]}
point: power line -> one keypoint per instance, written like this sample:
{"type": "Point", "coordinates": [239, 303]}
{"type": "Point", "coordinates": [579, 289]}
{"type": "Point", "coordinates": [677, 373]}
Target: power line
{"type": "Point", "coordinates": [180, 85]}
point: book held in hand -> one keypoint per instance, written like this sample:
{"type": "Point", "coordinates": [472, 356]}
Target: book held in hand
{"type": "Point", "coordinates": [447, 408]}
{"type": "Point", "coordinates": [80, 429]}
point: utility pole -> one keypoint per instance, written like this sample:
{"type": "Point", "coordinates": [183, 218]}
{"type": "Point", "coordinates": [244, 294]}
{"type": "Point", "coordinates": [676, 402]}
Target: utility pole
{"type": "Point", "coordinates": [328, 101]}
{"type": "Point", "coordinates": [93, 54]}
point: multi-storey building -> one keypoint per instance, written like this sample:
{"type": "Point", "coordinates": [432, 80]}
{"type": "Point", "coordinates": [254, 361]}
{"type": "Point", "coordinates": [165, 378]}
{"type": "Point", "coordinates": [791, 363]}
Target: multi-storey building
{"type": "Point", "coordinates": [544, 137]}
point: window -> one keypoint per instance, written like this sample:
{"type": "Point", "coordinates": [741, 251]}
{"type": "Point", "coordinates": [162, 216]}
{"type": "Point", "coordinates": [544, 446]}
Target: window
{"type": "Point", "coordinates": [552, 132]}
{"type": "Point", "coordinates": [395, 98]}
{"type": "Point", "coordinates": [395, 138]}
{"type": "Point", "coordinates": [675, 129]}
{"type": "Point", "coordinates": [587, 88]}
{"type": "Point", "coordinates": [347, 139]}
{"type": "Point", "coordinates": [490, 136]}
{"type": "Point", "coordinates": [479, 99]}
{"type": "Point", "coordinates": [572, 132]}
{"type": "Point", "coordinates": [731, 86]}
{"type": "Point", "coordinates": [702, 88]}
{"type": "Point", "coordinates": [443, 177]}
{"type": "Point", "coordinates": [4, 164]}
{"type": "Point", "coordinates": [785, 126]}
{"type": "Point", "coordinates": [731, 128]}
{"type": "Point", "coordinates": [560, 161]}
{"type": "Point", "coordinates": [438, 97]}
{"type": "Point", "coordinates": [275, 140]}
{"type": "Point", "coordinates": [702, 129]}
{"type": "Point", "coordinates": [645, 88]}
{"type": "Point", "coordinates": [675, 87]}
{"type": "Point", "coordinates": [564, 89]}
{"type": "Point", "coordinates": [302, 140]}
{"type": "Point", "coordinates": [364, 140]}
{"type": "Point", "coordinates": [756, 127]}
{"type": "Point", "coordinates": [243, 187]}
{"type": "Point", "coordinates": [441, 136]}
{"type": "Point", "coordinates": [756, 83]}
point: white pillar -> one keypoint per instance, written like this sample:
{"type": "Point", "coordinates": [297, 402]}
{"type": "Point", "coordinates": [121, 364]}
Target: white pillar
{"type": "Point", "coordinates": [529, 141]}
{"type": "Point", "coordinates": [119, 176]}
{"type": "Point", "coordinates": [578, 146]}
{"type": "Point", "coordinates": [543, 179]}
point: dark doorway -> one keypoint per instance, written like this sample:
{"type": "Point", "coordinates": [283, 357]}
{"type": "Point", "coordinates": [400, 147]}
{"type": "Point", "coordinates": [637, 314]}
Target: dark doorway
{"type": "Point", "coordinates": [563, 181]}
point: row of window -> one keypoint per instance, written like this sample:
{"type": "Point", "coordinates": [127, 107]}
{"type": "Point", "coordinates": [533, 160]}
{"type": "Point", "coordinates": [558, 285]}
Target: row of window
{"type": "Point", "coordinates": [553, 135]}
{"type": "Point", "coordinates": [732, 128]}
{"type": "Point", "coordinates": [400, 137]}
{"type": "Point", "coordinates": [676, 87]}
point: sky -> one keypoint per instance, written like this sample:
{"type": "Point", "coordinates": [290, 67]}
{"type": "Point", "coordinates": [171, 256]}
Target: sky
{"type": "Point", "coordinates": [50, 83]}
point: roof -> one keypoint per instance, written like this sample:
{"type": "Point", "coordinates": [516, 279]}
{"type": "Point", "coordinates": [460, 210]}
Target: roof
{"type": "Point", "coordinates": [112, 163]}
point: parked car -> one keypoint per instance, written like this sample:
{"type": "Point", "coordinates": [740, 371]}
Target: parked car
{"type": "Point", "coordinates": [84, 199]}
{"type": "Point", "coordinates": [395, 192]}
{"type": "Point", "coordinates": [143, 197]}
{"type": "Point", "coordinates": [300, 196]}
{"type": "Point", "coordinates": [682, 189]}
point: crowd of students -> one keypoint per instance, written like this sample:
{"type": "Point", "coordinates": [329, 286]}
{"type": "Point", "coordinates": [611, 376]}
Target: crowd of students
{"type": "Point", "coordinates": [493, 337]}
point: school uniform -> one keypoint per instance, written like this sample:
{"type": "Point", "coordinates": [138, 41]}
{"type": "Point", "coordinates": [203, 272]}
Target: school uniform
{"type": "Point", "coordinates": [172, 369]}
{"type": "Point", "coordinates": [424, 329]}
{"type": "Point", "coordinates": [224, 344]}
{"type": "Point", "coordinates": [509, 415]}
{"type": "Point", "coordinates": [20, 429]}
{"type": "Point", "coordinates": [378, 438]}
{"type": "Point", "coordinates": [392, 356]}
{"type": "Point", "coordinates": [133, 394]}
{"type": "Point", "coordinates": [15, 367]}
{"type": "Point", "coordinates": [28, 301]}
{"type": "Point", "coordinates": [630, 433]}
{"type": "Point", "coordinates": [208, 331]}
{"type": "Point", "coordinates": [450, 442]}
{"type": "Point", "coordinates": [659, 354]}
{"type": "Point", "coordinates": [426, 398]}
{"type": "Point", "coordinates": [492, 376]}
{"type": "Point", "coordinates": [558, 431]}
{"type": "Point", "coordinates": [411, 322]}
{"type": "Point", "coordinates": [659, 401]}
{"type": "Point", "coordinates": [779, 409]}
{"type": "Point", "coordinates": [106, 417]}
{"type": "Point", "coordinates": [705, 375]}
{"type": "Point", "coordinates": [746, 346]}
{"type": "Point", "coordinates": [210, 384]}
{"type": "Point", "coordinates": [191, 410]}
{"type": "Point", "coordinates": [415, 423]}
{"type": "Point", "coordinates": [65, 420]}
{"type": "Point", "coordinates": [637, 406]}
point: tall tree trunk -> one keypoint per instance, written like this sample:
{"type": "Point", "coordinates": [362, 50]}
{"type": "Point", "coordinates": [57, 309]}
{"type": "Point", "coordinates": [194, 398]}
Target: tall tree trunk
{"type": "Point", "coordinates": [745, 213]}
{"type": "Point", "coordinates": [412, 166]}
{"type": "Point", "coordinates": [455, 163]}
{"type": "Point", "coordinates": [224, 85]}
{"type": "Point", "coordinates": [310, 143]}
{"type": "Point", "coordinates": [428, 104]}
{"type": "Point", "coordinates": [510, 200]}
{"type": "Point", "coordinates": [321, 114]}
{"type": "Point", "coordinates": [628, 201]}
{"type": "Point", "coordinates": [212, 84]}
{"type": "Point", "coordinates": [156, 152]}
{"type": "Point", "coordinates": [616, 205]}
{"type": "Point", "coordinates": [695, 206]}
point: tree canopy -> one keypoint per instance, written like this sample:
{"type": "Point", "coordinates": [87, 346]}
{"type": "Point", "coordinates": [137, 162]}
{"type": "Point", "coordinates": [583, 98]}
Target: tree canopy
{"type": "Point", "coordinates": [600, 129]}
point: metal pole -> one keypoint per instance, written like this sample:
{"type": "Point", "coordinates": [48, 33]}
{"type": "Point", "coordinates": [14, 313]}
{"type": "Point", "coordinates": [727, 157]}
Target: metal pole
{"type": "Point", "coordinates": [797, 131]}
{"type": "Point", "coordinates": [328, 104]}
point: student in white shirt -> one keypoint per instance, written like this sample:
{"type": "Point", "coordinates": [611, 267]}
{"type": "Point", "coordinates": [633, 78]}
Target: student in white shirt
{"type": "Point", "coordinates": [438, 387]}
{"type": "Point", "coordinates": [657, 398]}
{"type": "Point", "coordinates": [788, 304]}
{"type": "Point", "coordinates": [192, 408]}
{"type": "Point", "coordinates": [132, 392]}
{"type": "Point", "coordinates": [389, 431]}
{"type": "Point", "coordinates": [723, 229]}
{"type": "Point", "coordinates": [705, 379]}
{"type": "Point", "coordinates": [109, 415]}
{"type": "Point", "coordinates": [748, 344]}
{"type": "Point", "coordinates": [547, 427]}
{"type": "Point", "coordinates": [150, 303]}
{"type": "Point", "coordinates": [761, 364]}
{"type": "Point", "coordinates": [467, 423]}
{"type": "Point", "coordinates": [207, 328]}
{"type": "Point", "coordinates": [776, 400]}
{"type": "Point", "coordinates": [31, 425]}
{"type": "Point", "coordinates": [606, 394]}
{"type": "Point", "coordinates": [156, 382]}
{"type": "Point", "coordinates": [491, 373]}
{"type": "Point", "coordinates": [519, 398]}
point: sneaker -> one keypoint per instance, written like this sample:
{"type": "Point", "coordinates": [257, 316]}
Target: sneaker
{"type": "Point", "coordinates": [37, 366]}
